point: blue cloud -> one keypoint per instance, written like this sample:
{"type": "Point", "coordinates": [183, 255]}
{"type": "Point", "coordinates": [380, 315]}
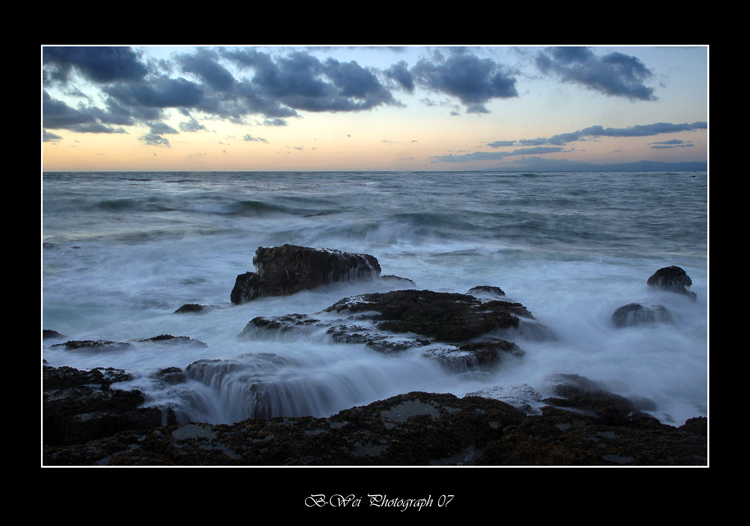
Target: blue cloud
{"type": "Point", "coordinates": [614, 74]}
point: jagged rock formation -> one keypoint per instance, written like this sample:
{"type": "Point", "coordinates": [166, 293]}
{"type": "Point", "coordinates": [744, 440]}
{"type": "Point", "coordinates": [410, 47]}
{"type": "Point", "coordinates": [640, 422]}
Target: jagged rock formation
{"type": "Point", "coordinates": [287, 269]}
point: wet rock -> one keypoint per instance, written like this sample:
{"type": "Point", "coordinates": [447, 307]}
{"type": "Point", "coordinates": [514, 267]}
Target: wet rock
{"type": "Point", "coordinates": [285, 270]}
{"type": "Point", "coordinates": [93, 345]}
{"type": "Point", "coordinates": [487, 291]}
{"type": "Point", "coordinates": [636, 314]}
{"type": "Point", "coordinates": [168, 339]}
{"type": "Point", "coordinates": [478, 356]}
{"type": "Point", "coordinates": [170, 376]}
{"type": "Point", "coordinates": [190, 308]}
{"type": "Point", "coordinates": [560, 437]}
{"type": "Point", "coordinates": [79, 406]}
{"type": "Point", "coordinates": [588, 396]}
{"type": "Point", "coordinates": [672, 279]}
{"type": "Point", "coordinates": [445, 316]}
{"type": "Point", "coordinates": [413, 429]}
{"type": "Point", "coordinates": [404, 282]}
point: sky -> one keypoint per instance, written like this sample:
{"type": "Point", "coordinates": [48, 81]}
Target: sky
{"type": "Point", "coordinates": [259, 108]}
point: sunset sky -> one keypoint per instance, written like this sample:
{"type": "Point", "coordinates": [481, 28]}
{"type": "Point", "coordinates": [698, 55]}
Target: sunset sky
{"type": "Point", "coordinates": [143, 108]}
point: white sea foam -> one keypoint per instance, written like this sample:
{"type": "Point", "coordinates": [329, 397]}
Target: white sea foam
{"type": "Point", "coordinates": [571, 253]}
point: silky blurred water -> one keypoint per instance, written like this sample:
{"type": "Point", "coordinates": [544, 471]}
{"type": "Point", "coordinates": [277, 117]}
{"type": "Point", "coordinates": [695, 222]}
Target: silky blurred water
{"type": "Point", "coordinates": [122, 251]}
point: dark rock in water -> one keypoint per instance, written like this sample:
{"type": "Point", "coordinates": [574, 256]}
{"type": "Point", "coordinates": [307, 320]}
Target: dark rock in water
{"type": "Point", "coordinates": [93, 345]}
{"type": "Point", "coordinates": [381, 341]}
{"type": "Point", "coordinates": [481, 356]}
{"type": "Point", "coordinates": [413, 429]}
{"type": "Point", "coordinates": [486, 290]}
{"type": "Point", "coordinates": [79, 406]}
{"type": "Point", "coordinates": [446, 316]}
{"type": "Point", "coordinates": [397, 279]}
{"type": "Point", "coordinates": [672, 279]}
{"type": "Point", "coordinates": [190, 307]}
{"type": "Point", "coordinates": [456, 329]}
{"type": "Point", "coordinates": [173, 340]}
{"type": "Point", "coordinates": [170, 376]}
{"type": "Point", "coordinates": [288, 269]}
{"type": "Point", "coordinates": [582, 394]}
{"type": "Point", "coordinates": [635, 314]}
{"type": "Point", "coordinates": [50, 334]}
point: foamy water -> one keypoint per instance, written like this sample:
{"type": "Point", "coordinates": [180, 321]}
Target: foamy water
{"type": "Point", "coordinates": [124, 251]}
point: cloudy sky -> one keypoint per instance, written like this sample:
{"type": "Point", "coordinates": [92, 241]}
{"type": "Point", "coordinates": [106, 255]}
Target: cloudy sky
{"type": "Point", "coordinates": [371, 108]}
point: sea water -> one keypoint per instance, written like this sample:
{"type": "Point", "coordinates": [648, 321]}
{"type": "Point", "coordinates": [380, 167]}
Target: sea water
{"type": "Point", "coordinates": [122, 251]}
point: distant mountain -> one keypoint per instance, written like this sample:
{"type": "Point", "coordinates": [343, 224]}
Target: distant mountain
{"type": "Point", "coordinates": [537, 163]}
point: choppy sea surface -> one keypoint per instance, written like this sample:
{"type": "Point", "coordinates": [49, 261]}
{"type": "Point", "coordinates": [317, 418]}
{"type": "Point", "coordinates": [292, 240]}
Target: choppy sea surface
{"type": "Point", "coordinates": [122, 251]}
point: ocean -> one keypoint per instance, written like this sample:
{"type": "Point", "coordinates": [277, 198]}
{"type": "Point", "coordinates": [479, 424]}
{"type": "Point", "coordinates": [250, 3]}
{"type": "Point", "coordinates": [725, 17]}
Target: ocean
{"type": "Point", "coordinates": [122, 251]}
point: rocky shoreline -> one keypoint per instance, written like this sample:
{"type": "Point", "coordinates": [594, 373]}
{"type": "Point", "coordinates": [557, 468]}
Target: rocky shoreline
{"type": "Point", "coordinates": [88, 421]}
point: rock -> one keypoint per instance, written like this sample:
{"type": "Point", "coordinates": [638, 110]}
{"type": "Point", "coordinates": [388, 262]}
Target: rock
{"type": "Point", "coordinates": [478, 356]}
{"type": "Point", "coordinates": [288, 269]}
{"type": "Point", "coordinates": [583, 394]}
{"type": "Point", "coordinates": [112, 346]}
{"type": "Point", "coordinates": [79, 406]}
{"type": "Point", "coordinates": [412, 429]}
{"type": "Point", "coordinates": [446, 316]}
{"type": "Point", "coordinates": [487, 291]}
{"type": "Point", "coordinates": [190, 307]}
{"type": "Point", "coordinates": [170, 376]}
{"type": "Point", "coordinates": [398, 279]}
{"type": "Point", "coordinates": [93, 345]}
{"type": "Point", "coordinates": [168, 339]}
{"type": "Point", "coordinates": [461, 331]}
{"type": "Point", "coordinates": [635, 314]}
{"type": "Point", "coordinates": [672, 279]}
{"type": "Point", "coordinates": [48, 334]}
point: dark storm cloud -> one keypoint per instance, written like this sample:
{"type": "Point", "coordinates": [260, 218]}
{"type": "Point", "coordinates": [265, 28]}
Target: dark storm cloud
{"type": "Point", "coordinates": [160, 92]}
{"type": "Point", "coordinates": [98, 64]}
{"type": "Point", "coordinates": [472, 80]}
{"type": "Point", "coordinates": [204, 64]}
{"type": "Point", "coordinates": [236, 83]}
{"type": "Point", "coordinates": [273, 87]}
{"type": "Point", "coordinates": [400, 73]}
{"type": "Point", "coordinates": [301, 81]}
{"type": "Point", "coordinates": [58, 115]}
{"type": "Point", "coordinates": [614, 74]}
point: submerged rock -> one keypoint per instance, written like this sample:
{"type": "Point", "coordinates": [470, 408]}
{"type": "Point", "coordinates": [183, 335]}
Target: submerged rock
{"type": "Point", "coordinates": [285, 270]}
{"type": "Point", "coordinates": [672, 279]}
{"type": "Point", "coordinates": [635, 314]}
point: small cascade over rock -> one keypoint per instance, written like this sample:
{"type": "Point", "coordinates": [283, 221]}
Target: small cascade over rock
{"type": "Point", "coordinates": [636, 314]}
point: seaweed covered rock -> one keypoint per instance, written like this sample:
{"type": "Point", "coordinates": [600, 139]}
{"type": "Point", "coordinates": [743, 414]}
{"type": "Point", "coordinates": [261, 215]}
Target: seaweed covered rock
{"type": "Point", "coordinates": [285, 270]}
